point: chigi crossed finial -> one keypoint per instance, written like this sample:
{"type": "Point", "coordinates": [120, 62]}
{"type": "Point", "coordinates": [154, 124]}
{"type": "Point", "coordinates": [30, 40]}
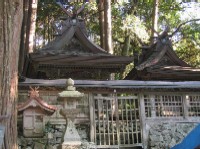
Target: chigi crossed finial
{"type": "Point", "coordinates": [33, 92]}
{"type": "Point", "coordinates": [74, 12]}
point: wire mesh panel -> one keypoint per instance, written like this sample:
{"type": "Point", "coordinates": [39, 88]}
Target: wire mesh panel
{"type": "Point", "coordinates": [117, 121]}
{"type": "Point", "coordinates": [163, 105]}
{"type": "Point", "coordinates": [194, 105]}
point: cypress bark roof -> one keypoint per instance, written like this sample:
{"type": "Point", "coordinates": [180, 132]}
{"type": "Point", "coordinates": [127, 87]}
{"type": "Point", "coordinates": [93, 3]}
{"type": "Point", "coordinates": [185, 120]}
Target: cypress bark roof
{"type": "Point", "coordinates": [160, 62]}
{"type": "Point", "coordinates": [73, 50]}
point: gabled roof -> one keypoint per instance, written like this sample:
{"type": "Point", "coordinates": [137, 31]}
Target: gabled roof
{"type": "Point", "coordinates": [72, 37]}
{"type": "Point", "coordinates": [73, 50]}
{"type": "Point", "coordinates": [160, 62]}
{"type": "Point", "coordinates": [36, 101]}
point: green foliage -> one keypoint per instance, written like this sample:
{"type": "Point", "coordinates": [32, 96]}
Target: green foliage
{"type": "Point", "coordinates": [135, 28]}
{"type": "Point", "coordinates": [126, 24]}
{"type": "Point", "coordinates": [188, 46]}
{"type": "Point", "coordinates": [46, 15]}
{"type": "Point", "coordinates": [169, 14]}
{"type": "Point", "coordinates": [187, 51]}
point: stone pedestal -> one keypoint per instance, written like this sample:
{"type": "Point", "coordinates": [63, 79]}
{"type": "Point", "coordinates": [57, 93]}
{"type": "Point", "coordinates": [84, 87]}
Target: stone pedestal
{"type": "Point", "coordinates": [70, 96]}
{"type": "Point", "coordinates": [71, 138]}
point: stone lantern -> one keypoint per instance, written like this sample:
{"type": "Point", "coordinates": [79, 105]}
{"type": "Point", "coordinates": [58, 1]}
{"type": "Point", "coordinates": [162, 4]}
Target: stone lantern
{"type": "Point", "coordinates": [70, 98]}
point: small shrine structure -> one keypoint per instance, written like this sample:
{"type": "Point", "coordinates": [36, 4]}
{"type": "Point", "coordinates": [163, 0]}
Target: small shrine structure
{"type": "Point", "coordinates": [34, 110]}
{"type": "Point", "coordinates": [160, 62]}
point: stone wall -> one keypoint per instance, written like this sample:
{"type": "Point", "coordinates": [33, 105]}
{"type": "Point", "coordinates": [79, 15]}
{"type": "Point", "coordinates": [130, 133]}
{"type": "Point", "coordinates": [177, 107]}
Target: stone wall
{"type": "Point", "coordinates": [55, 139]}
{"type": "Point", "coordinates": [167, 135]}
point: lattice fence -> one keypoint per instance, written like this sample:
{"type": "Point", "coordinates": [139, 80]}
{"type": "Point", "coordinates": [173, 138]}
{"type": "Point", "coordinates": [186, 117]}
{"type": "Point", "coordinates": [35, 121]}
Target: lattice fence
{"type": "Point", "coordinates": [117, 121]}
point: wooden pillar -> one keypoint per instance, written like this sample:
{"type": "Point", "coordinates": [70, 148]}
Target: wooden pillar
{"type": "Point", "coordinates": [185, 106]}
{"type": "Point", "coordinates": [142, 120]}
{"type": "Point", "coordinates": [92, 118]}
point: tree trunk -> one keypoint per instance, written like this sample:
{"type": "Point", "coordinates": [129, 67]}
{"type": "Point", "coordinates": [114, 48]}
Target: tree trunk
{"type": "Point", "coordinates": [154, 21]}
{"type": "Point", "coordinates": [125, 49]}
{"type": "Point", "coordinates": [32, 24]}
{"type": "Point", "coordinates": [101, 23]}
{"type": "Point", "coordinates": [28, 26]}
{"type": "Point", "coordinates": [108, 26]}
{"type": "Point", "coordinates": [24, 34]}
{"type": "Point", "coordinates": [11, 14]}
{"type": "Point", "coordinates": [27, 31]}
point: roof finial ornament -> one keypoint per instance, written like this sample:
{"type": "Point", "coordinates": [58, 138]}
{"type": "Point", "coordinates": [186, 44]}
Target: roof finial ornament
{"type": "Point", "coordinates": [33, 92]}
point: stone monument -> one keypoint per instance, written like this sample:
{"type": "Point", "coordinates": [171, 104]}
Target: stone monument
{"type": "Point", "coordinates": [70, 97]}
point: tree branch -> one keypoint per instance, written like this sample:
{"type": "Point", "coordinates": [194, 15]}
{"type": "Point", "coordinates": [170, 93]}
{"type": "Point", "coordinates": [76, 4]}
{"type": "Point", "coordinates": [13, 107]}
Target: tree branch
{"type": "Point", "coordinates": [182, 25]}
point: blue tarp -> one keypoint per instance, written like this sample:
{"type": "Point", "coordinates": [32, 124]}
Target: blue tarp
{"type": "Point", "coordinates": [191, 141]}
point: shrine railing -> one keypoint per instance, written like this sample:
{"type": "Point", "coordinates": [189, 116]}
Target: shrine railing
{"type": "Point", "coordinates": [119, 120]}
{"type": "Point", "coordinates": [172, 105]}
{"type": "Point", "coordinates": [120, 113]}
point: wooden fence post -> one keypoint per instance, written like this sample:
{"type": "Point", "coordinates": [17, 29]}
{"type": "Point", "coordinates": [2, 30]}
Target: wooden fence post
{"type": "Point", "coordinates": [92, 119]}
{"type": "Point", "coordinates": [143, 122]}
{"type": "Point", "coordinates": [185, 106]}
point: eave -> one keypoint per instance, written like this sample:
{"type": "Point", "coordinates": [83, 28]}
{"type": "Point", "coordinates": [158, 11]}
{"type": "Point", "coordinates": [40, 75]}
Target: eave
{"type": "Point", "coordinates": [83, 61]}
{"type": "Point", "coordinates": [38, 102]}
